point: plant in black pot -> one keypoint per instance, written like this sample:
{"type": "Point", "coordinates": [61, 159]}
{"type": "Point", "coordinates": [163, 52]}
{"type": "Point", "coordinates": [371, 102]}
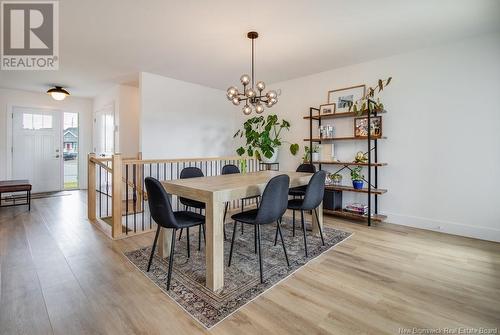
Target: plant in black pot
{"type": "Point", "coordinates": [263, 137]}
{"type": "Point", "coordinates": [357, 177]}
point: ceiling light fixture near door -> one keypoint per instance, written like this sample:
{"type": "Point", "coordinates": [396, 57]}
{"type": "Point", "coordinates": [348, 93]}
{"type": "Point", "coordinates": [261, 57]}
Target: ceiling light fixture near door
{"type": "Point", "coordinates": [253, 95]}
{"type": "Point", "coordinates": [58, 93]}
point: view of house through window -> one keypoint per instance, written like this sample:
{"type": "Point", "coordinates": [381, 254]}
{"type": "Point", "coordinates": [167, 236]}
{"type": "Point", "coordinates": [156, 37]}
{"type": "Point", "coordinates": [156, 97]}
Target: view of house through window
{"type": "Point", "coordinates": [70, 151]}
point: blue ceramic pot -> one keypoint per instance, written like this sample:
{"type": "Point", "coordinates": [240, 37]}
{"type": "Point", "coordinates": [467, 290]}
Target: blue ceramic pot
{"type": "Point", "coordinates": [357, 184]}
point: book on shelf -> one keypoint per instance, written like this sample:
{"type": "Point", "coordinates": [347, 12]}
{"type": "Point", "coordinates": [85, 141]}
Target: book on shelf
{"type": "Point", "coordinates": [356, 208]}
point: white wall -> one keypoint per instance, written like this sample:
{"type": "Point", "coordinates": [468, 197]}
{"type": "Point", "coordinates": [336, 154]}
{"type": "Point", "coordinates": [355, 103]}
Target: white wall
{"type": "Point", "coordinates": [125, 100]}
{"type": "Point", "coordinates": [443, 129]}
{"type": "Point", "coordinates": [83, 107]}
{"type": "Point", "coordinates": [181, 119]}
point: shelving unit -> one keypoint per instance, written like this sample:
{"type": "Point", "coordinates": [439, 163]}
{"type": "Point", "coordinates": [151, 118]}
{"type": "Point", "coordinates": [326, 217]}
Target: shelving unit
{"type": "Point", "coordinates": [372, 189]}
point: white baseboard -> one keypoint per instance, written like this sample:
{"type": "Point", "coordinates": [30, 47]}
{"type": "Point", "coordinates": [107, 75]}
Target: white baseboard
{"type": "Point", "coordinates": [454, 228]}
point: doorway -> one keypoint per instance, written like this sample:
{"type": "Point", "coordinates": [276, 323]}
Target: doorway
{"type": "Point", "coordinates": [104, 131]}
{"type": "Point", "coordinates": [36, 148]}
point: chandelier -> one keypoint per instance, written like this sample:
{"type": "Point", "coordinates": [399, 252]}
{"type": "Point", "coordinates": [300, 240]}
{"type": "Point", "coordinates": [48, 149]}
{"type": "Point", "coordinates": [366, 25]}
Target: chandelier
{"type": "Point", "coordinates": [253, 96]}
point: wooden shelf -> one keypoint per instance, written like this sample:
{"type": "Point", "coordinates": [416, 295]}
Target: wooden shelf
{"type": "Point", "coordinates": [349, 163]}
{"type": "Point", "coordinates": [353, 216]}
{"type": "Point", "coordinates": [348, 138]}
{"type": "Point", "coordinates": [338, 115]}
{"type": "Point", "coordinates": [352, 189]}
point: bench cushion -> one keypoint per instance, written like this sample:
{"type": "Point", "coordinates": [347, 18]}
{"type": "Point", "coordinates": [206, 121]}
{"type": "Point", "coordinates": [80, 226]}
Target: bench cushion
{"type": "Point", "coordinates": [14, 186]}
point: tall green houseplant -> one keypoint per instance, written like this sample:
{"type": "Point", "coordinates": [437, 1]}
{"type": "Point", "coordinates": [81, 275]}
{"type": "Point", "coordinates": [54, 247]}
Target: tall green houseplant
{"type": "Point", "coordinates": [263, 136]}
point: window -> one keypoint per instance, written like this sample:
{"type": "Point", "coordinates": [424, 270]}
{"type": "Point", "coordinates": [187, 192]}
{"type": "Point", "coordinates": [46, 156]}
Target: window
{"type": "Point", "coordinates": [36, 121]}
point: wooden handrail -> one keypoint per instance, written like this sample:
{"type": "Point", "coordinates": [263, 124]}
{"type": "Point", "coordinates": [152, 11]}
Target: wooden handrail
{"type": "Point", "coordinates": [100, 163]}
{"type": "Point", "coordinates": [175, 160]}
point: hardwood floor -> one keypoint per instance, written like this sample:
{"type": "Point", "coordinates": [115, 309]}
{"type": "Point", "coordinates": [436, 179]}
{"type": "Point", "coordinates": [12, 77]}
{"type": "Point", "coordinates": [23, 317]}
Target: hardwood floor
{"type": "Point", "coordinates": [60, 275]}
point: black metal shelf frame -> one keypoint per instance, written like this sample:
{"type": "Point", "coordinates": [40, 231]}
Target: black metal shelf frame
{"type": "Point", "coordinates": [371, 150]}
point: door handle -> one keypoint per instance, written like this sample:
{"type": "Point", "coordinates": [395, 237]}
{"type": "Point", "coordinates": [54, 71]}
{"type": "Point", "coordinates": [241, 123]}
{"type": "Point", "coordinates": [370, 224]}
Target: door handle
{"type": "Point", "coordinates": [57, 156]}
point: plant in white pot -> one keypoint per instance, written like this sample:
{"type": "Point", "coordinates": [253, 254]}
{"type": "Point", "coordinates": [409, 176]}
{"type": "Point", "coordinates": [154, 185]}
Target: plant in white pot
{"type": "Point", "coordinates": [307, 154]}
{"type": "Point", "coordinates": [263, 137]}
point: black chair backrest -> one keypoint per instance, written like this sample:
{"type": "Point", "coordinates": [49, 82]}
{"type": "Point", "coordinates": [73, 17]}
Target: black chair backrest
{"type": "Point", "coordinates": [230, 169]}
{"type": "Point", "coordinates": [191, 172]}
{"type": "Point", "coordinates": [315, 191]}
{"type": "Point", "coordinates": [274, 200]}
{"type": "Point", "coordinates": [306, 167]}
{"type": "Point", "coordinates": [159, 204]}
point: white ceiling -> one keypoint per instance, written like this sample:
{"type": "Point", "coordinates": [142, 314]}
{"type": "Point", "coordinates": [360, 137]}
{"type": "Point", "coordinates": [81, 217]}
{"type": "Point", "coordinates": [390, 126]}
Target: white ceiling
{"type": "Point", "coordinates": [110, 41]}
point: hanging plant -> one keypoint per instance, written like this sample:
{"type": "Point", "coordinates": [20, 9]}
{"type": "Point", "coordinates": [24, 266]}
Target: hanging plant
{"type": "Point", "coordinates": [263, 136]}
{"type": "Point", "coordinates": [361, 106]}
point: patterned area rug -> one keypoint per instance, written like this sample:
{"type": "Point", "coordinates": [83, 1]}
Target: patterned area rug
{"type": "Point", "coordinates": [241, 280]}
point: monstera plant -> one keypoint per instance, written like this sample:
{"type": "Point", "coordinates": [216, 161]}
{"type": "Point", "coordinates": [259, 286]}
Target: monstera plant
{"type": "Point", "coordinates": [263, 136]}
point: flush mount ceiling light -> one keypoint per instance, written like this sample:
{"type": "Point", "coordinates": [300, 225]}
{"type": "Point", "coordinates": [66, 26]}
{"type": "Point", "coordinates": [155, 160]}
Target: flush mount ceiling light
{"type": "Point", "coordinates": [253, 95]}
{"type": "Point", "coordinates": [58, 93]}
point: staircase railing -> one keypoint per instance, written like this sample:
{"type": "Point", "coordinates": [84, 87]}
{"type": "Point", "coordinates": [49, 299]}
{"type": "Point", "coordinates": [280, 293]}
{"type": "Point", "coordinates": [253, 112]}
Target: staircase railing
{"type": "Point", "coordinates": [117, 201]}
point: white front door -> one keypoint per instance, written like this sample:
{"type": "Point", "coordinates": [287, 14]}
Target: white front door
{"type": "Point", "coordinates": [36, 148]}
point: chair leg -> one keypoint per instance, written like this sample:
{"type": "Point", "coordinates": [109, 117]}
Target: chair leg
{"type": "Point", "coordinates": [257, 201]}
{"type": "Point", "coordinates": [276, 237]}
{"type": "Point", "coordinates": [282, 241]}
{"type": "Point", "coordinates": [180, 234]}
{"type": "Point", "coordinates": [188, 247]}
{"type": "Point", "coordinates": [232, 244]}
{"type": "Point", "coordinates": [171, 260]}
{"type": "Point", "coordinates": [242, 209]}
{"type": "Point", "coordinates": [224, 220]}
{"type": "Point", "coordinates": [255, 238]}
{"type": "Point", "coordinates": [303, 229]}
{"type": "Point", "coordinates": [154, 247]}
{"type": "Point", "coordinates": [293, 220]}
{"type": "Point", "coordinates": [319, 228]}
{"type": "Point", "coordinates": [260, 254]}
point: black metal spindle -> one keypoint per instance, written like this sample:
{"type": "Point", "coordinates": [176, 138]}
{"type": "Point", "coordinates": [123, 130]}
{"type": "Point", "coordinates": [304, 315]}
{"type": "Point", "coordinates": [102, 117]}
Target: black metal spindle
{"type": "Point", "coordinates": [135, 194]}
{"type": "Point", "coordinates": [126, 199]}
{"type": "Point", "coordinates": [100, 197]}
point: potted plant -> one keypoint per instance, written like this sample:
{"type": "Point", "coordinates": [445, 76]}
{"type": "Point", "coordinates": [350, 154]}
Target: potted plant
{"type": "Point", "coordinates": [361, 106]}
{"type": "Point", "coordinates": [336, 178]}
{"type": "Point", "coordinates": [357, 177]}
{"type": "Point", "coordinates": [307, 154]}
{"type": "Point", "coordinates": [263, 137]}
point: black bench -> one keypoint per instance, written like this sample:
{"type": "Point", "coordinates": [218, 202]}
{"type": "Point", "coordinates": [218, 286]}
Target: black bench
{"type": "Point", "coordinates": [13, 186]}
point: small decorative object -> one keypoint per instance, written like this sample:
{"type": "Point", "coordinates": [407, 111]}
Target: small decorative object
{"type": "Point", "coordinates": [263, 137]}
{"type": "Point", "coordinates": [336, 178]}
{"type": "Point", "coordinates": [327, 131]}
{"type": "Point", "coordinates": [357, 177]}
{"type": "Point", "coordinates": [307, 154]}
{"type": "Point", "coordinates": [252, 93]}
{"type": "Point", "coordinates": [344, 98]}
{"type": "Point", "coordinates": [361, 157]}
{"type": "Point", "coordinates": [327, 109]}
{"type": "Point", "coordinates": [327, 152]}
{"type": "Point", "coordinates": [361, 127]}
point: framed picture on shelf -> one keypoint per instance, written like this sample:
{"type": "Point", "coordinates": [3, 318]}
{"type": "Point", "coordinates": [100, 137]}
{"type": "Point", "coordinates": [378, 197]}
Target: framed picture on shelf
{"type": "Point", "coordinates": [361, 127]}
{"type": "Point", "coordinates": [327, 109]}
{"type": "Point", "coordinates": [344, 98]}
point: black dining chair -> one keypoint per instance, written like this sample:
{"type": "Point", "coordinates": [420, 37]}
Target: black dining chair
{"type": "Point", "coordinates": [161, 211]}
{"type": "Point", "coordinates": [233, 169]}
{"type": "Point", "coordinates": [300, 191]}
{"type": "Point", "coordinates": [272, 207]}
{"type": "Point", "coordinates": [313, 197]}
{"type": "Point", "coordinates": [192, 172]}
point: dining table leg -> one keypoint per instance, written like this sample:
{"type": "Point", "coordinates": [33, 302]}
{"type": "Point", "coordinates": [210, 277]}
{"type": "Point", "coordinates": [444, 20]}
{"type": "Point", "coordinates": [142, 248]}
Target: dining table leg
{"type": "Point", "coordinates": [214, 245]}
{"type": "Point", "coordinates": [317, 223]}
{"type": "Point", "coordinates": [164, 242]}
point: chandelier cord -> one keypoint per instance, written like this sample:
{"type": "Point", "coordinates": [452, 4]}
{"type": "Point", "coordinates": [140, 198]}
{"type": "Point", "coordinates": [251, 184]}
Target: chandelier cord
{"type": "Point", "coordinates": [252, 65]}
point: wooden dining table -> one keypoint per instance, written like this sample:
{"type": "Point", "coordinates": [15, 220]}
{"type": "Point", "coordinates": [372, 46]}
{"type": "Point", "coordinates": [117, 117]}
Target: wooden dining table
{"type": "Point", "coordinates": [215, 192]}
